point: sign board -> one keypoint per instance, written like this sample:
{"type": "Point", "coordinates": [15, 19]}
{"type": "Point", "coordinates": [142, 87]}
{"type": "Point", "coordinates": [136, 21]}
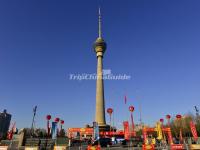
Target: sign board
{"type": "Point", "coordinates": [177, 146]}
{"type": "Point", "coordinates": [31, 148]}
{"type": "Point", "coordinates": [148, 147]}
{"type": "Point", "coordinates": [59, 147]}
{"type": "Point", "coordinates": [194, 146]}
{"type": "Point", "coordinates": [3, 147]}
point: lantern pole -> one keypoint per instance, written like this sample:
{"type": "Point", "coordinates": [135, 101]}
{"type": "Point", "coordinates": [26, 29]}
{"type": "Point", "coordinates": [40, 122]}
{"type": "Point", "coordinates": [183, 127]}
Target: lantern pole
{"type": "Point", "coordinates": [48, 117]}
{"type": "Point", "coordinates": [163, 133]}
{"type": "Point", "coordinates": [179, 117]}
{"type": "Point", "coordinates": [61, 125]}
{"type": "Point", "coordinates": [131, 109]}
{"type": "Point", "coordinates": [48, 128]}
{"type": "Point", "coordinates": [168, 120]}
{"type": "Point", "coordinates": [109, 111]}
{"type": "Point", "coordinates": [110, 124]}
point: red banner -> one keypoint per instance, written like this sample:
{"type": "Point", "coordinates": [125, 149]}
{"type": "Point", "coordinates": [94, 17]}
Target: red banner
{"type": "Point", "coordinates": [170, 140]}
{"type": "Point", "coordinates": [177, 146]}
{"type": "Point", "coordinates": [193, 130]}
{"type": "Point", "coordinates": [126, 130]}
{"type": "Point", "coordinates": [148, 147]}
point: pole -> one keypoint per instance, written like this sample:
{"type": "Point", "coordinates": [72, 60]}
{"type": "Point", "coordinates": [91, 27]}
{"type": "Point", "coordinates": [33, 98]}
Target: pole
{"type": "Point", "coordinates": [110, 124]}
{"type": "Point", "coordinates": [113, 124]}
{"type": "Point", "coordinates": [132, 123]}
{"type": "Point", "coordinates": [168, 121]}
{"type": "Point", "coordinates": [33, 120]}
{"type": "Point", "coordinates": [48, 129]}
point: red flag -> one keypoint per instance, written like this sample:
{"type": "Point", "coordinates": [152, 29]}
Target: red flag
{"type": "Point", "coordinates": [125, 99]}
{"type": "Point", "coordinates": [193, 130]}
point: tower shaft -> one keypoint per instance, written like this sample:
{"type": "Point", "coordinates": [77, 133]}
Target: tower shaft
{"type": "Point", "coordinates": [100, 102]}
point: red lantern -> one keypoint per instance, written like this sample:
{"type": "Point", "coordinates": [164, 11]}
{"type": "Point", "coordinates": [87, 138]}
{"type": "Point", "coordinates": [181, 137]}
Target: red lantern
{"type": "Point", "coordinates": [178, 116]}
{"type": "Point", "coordinates": [48, 117]}
{"type": "Point", "coordinates": [62, 122]}
{"type": "Point", "coordinates": [161, 120]}
{"type": "Point", "coordinates": [109, 111]}
{"type": "Point", "coordinates": [57, 120]}
{"type": "Point", "coordinates": [168, 116]}
{"type": "Point", "coordinates": [131, 108]}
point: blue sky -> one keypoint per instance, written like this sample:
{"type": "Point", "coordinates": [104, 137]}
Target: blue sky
{"type": "Point", "coordinates": [43, 42]}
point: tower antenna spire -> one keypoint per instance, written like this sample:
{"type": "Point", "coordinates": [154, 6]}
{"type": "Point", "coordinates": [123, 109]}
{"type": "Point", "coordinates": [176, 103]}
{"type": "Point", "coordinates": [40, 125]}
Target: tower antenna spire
{"type": "Point", "coordinates": [100, 34]}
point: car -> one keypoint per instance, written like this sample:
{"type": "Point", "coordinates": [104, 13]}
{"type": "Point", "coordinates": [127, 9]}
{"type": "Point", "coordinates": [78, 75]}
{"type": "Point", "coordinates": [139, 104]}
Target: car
{"type": "Point", "coordinates": [104, 142]}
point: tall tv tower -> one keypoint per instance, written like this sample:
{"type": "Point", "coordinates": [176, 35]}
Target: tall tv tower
{"type": "Point", "coordinates": [99, 48]}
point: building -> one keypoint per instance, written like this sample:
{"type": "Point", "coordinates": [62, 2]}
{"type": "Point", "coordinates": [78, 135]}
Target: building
{"type": "Point", "coordinates": [5, 119]}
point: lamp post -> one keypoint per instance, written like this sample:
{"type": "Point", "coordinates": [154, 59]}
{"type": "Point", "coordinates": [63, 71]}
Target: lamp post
{"type": "Point", "coordinates": [110, 111]}
{"type": "Point", "coordinates": [168, 119]}
{"type": "Point", "coordinates": [131, 109]}
{"type": "Point", "coordinates": [48, 117]}
{"type": "Point", "coordinates": [179, 117]}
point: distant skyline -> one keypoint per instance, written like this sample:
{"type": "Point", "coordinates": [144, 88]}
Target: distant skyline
{"type": "Point", "coordinates": [43, 42]}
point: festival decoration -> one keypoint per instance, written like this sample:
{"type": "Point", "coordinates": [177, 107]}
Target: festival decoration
{"type": "Point", "coordinates": [168, 119]}
{"type": "Point", "coordinates": [131, 109]}
{"type": "Point", "coordinates": [110, 111]}
{"type": "Point", "coordinates": [48, 117]}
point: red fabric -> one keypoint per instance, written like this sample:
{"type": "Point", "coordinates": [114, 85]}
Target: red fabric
{"type": "Point", "coordinates": [177, 146]}
{"type": "Point", "coordinates": [170, 137]}
{"type": "Point", "coordinates": [193, 130]}
{"type": "Point", "coordinates": [126, 130]}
